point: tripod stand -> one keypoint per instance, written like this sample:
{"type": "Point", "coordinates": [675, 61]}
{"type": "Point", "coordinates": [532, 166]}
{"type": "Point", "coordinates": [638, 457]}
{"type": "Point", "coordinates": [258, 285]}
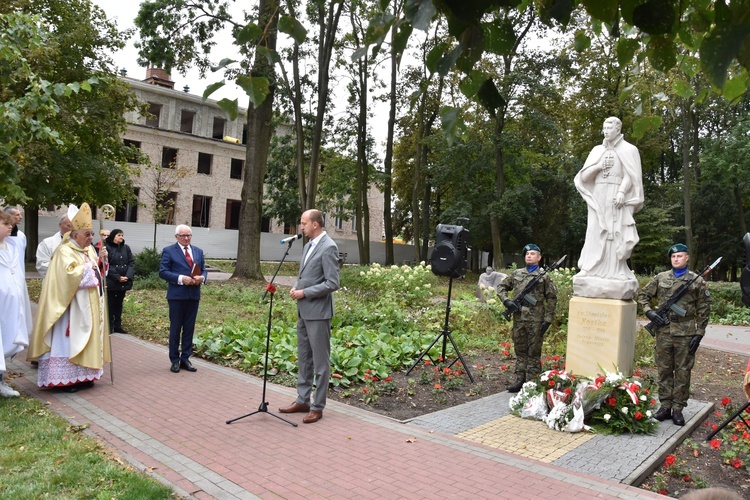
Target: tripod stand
{"type": "Point", "coordinates": [270, 288]}
{"type": "Point", "coordinates": [738, 414]}
{"type": "Point", "coordinates": [446, 336]}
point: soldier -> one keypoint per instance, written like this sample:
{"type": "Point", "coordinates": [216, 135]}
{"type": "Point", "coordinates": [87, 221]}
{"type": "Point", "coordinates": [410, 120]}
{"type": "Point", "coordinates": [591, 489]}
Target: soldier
{"type": "Point", "coordinates": [677, 341]}
{"type": "Point", "coordinates": [530, 321]}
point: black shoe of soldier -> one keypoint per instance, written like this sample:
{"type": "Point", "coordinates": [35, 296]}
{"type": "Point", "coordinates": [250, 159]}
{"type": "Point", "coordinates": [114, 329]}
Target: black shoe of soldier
{"type": "Point", "coordinates": [677, 418]}
{"type": "Point", "coordinates": [663, 413]}
{"type": "Point", "coordinates": [516, 386]}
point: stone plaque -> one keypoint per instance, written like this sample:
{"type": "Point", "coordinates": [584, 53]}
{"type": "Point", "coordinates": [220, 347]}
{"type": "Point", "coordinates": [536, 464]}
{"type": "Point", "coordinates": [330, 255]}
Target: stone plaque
{"type": "Point", "coordinates": [601, 336]}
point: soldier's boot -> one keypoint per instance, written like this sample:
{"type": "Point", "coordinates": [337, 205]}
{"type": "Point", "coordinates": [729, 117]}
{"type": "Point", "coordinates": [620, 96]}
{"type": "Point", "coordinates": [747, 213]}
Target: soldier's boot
{"type": "Point", "coordinates": [663, 413]}
{"type": "Point", "coordinates": [677, 418]}
{"type": "Point", "coordinates": [516, 386]}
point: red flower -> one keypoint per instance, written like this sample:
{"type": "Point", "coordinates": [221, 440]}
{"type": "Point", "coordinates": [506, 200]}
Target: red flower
{"type": "Point", "coordinates": [611, 401]}
{"type": "Point", "coordinates": [715, 443]}
{"type": "Point", "coordinates": [556, 358]}
{"type": "Point", "coordinates": [600, 380]}
{"type": "Point", "coordinates": [736, 463]}
{"type": "Point", "coordinates": [440, 359]}
{"type": "Point", "coordinates": [686, 478]}
{"type": "Point", "coordinates": [551, 383]}
{"type": "Point", "coordinates": [568, 390]}
{"type": "Point", "coordinates": [388, 379]}
{"type": "Point", "coordinates": [735, 437]}
{"type": "Point", "coordinates": [726, 402]}
{"type": "Point", "coordinates": [670, 460]}
{"type": "Point", "coordinates": [365, 390]}
{"type": "Point", "coordinates": [504, 367]}
{"type": "Point", "coordinates": [427, 362]}
{"type": "Point", "coordinates": [653, 402]}
{"type": "Point", "coordinates": [437, 386]}
{"type": "Point", "coordinates": [375, 378]}
{"type": "Point", "coordinates": [446, 370]}
{"type": "Point", "coordinates": [663, 491]}
{"type": "Point", "coordinates": [638, 415]}
{"type": "Point", "coordinates": [506, 353]}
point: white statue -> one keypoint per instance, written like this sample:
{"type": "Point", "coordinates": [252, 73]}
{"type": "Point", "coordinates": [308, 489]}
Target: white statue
{"type": "Point", "coordinates": [488, 283]}
{"type": "Point", "coordinates": [610, 183]}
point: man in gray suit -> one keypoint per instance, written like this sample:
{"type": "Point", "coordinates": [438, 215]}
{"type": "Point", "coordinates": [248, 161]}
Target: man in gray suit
{"type": "Point", "coordinates": [317, 280]}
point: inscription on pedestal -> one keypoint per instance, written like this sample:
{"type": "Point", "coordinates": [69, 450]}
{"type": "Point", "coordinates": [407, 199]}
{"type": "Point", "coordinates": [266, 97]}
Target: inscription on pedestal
{"type": "Point", "coordinates": [601, 336]}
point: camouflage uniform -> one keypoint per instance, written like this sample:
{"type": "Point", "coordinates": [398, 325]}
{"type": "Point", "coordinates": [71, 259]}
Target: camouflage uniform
{"type": "Point", "coordinates": [527, 337]}
{"type": "Point", "coordinates": [673, 359]}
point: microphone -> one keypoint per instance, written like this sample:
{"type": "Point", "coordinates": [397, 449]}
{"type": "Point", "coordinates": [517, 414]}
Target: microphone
{"type": "Point", "coordinates": [291, 239]}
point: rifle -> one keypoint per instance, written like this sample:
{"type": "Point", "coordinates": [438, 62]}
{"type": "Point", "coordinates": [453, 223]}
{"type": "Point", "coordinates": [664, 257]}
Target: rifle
{"type": "Point", "coordinates": [671, 304]}
{"type": "Point", "coordinates": [524, 295]}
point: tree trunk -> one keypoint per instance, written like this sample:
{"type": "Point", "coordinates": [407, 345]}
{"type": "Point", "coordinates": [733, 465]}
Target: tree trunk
{"type": "Point", "coordinates": [388, 162]}
{"type": "Point", "coordinates": [328, 22]}
{"type": "Point", "coordinates": [497, 247]}
{"type": "Point", "coordinates": [686, 142]}
{"type": "Point", "coordinates": [259, 131]}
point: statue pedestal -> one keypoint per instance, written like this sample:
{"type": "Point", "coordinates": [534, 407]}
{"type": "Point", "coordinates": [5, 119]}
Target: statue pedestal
{"type": "Point", "coordinates": [601, 335]}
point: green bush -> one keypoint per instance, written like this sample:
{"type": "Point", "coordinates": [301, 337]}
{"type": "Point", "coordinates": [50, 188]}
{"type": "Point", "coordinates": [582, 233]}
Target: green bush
{"type": "Point", "coordinates": [147, 262]}
{"type": "Point", "coordinates": [149, 282]}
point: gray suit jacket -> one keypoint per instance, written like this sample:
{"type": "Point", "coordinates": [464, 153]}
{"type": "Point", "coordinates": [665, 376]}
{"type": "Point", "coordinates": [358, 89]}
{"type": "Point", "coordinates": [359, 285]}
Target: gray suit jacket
{"type": "Point", "coordinates": [318, 278]}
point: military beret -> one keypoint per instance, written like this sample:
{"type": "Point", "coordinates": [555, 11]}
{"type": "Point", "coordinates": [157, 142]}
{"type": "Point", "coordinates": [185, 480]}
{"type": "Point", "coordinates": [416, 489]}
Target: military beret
{"type": "Point", "coordinates": [678, 247]}
{"type": "Point", "coordinates": [528, 247]}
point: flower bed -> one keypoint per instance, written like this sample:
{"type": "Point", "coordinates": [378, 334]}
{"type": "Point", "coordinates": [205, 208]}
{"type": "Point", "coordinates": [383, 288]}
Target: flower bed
{"type": "Point", "coordinates": [611, 403]}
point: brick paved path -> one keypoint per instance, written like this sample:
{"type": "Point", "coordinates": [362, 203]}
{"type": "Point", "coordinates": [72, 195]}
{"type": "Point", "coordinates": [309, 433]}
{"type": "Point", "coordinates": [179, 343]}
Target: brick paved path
{"type": "Point", "coordinates": [174, 426]}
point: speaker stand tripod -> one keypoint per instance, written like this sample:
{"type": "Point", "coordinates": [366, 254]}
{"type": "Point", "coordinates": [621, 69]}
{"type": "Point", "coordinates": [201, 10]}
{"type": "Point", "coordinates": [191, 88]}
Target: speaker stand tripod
{"type": "Point", "coordinates": [270, 288]}
{"type": "Point", "coordinates": [738, 414]}
{"type": "Point", "coordinates": [446, 336]}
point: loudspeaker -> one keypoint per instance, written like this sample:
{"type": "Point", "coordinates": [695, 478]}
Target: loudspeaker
{"type": "Point", "coordinates": [451, 247]}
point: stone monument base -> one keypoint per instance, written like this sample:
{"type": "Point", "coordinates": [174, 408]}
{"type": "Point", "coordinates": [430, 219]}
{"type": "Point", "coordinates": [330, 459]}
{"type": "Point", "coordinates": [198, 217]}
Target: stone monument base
{"type": "Point", "coordinates": [604, 288]}
{"type": "Point", "coordinates": [601, 336]}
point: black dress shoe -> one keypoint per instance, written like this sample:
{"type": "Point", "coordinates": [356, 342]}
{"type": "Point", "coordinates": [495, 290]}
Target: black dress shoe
{"type": "Point", "coordinates": [187, 365]}
{"type": "Point", "coordinates": [663, 413]}
{"type": "Point", "coordinates": [175, 367]}
{"type": "Point", "coordinates": [677, 418]}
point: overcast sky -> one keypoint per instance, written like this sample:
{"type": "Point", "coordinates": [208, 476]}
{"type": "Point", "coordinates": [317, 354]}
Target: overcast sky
{"type": "Point", "coordinates": [123, 12]}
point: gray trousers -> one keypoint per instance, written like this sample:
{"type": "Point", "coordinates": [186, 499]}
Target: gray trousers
{"type": "Point", "coordinates": [313, 353]}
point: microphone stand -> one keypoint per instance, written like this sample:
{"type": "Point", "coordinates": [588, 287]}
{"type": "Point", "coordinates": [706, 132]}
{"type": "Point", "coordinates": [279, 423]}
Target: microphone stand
{"type": "Point", "coordinates": [270, 288]}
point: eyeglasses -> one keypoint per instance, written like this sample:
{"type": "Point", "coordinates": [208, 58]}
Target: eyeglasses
{"type": "Point", "coordinates": [184, 235]}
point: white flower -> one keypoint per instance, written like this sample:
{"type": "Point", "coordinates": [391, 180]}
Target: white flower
{"type": "Point", "coordinates": [491, 289]}
{"type": "Point", "coordinates": [491, 301]}
{"type": "Point", "coordinates": [394, 266]}
{"type": "Point", "coordinates": [362, 273]}
{"type": "Point", "coordinates": [643, 397]}
{"type": "Point", "coordinates": [648, 413]}
{"type": "Point", "coordinates": [482, 287]}
{"type": "Point", "coordinates": [416, 288]}
{"type": "Point", "coordinates": [427, 285]}
{"type": "Point", "coordinates": [625, 410]}
{"type": "Point", "coordinates": [607, 416]}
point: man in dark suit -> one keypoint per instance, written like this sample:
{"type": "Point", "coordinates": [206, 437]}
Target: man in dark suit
{"type": "Point", "coordinates": [317, 280]}
{"type": "Point", "coordinates": [183, 267]}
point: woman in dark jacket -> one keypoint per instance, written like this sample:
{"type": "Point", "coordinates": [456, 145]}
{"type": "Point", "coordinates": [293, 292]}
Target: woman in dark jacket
{"type": "Point", "coordinates": [119, 277]}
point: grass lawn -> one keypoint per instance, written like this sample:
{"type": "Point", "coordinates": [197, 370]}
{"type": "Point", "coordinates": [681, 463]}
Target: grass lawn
{"type": "Point", "coordinates": [44, 456]}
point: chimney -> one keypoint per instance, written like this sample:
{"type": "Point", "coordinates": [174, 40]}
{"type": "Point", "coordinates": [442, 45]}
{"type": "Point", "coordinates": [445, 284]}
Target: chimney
{"type": "Point", "coordinates": [157, 76]}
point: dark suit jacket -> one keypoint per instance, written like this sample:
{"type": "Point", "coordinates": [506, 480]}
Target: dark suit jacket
{"type": "Point", "coordinates": [318, 278]}
{"type": "Point", "coordinates": [173, 264]}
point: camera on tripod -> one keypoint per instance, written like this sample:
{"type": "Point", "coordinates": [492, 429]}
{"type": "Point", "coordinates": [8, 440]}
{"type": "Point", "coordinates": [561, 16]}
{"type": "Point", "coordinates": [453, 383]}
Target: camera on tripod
{"type": "Point", "coordinates": [451, 249]}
